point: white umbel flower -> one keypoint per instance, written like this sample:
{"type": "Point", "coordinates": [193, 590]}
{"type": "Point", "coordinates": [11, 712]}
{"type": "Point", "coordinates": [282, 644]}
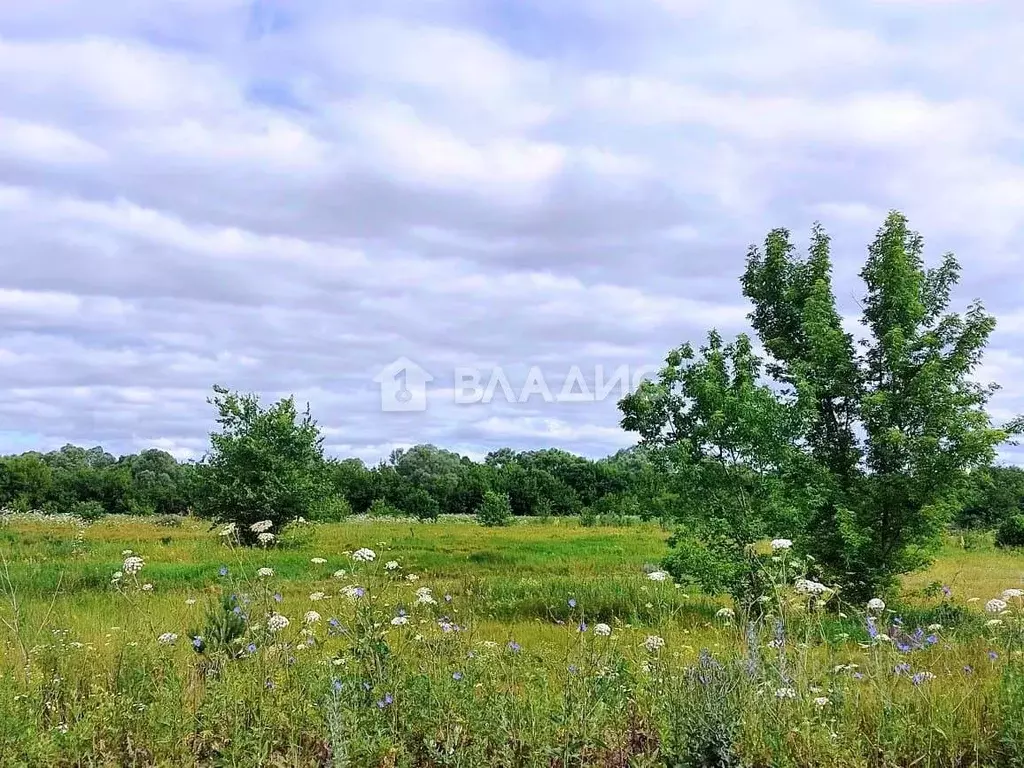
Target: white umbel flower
{"type": "Point", "coordinates": [654, 643]}
{"type": "Point", "coordinates": [167, 638]}
{"type": "Point", "coordinates": [602, 630]}
{"type": "Point", "coordinates": [995, 605]}
{"type": "Point", "coordinates": [876, 604]}
{"type": "Point", "coordinates": [311, 617]}
{"type": "Point", "coordinates": [364, 555]}
{"type": "Point", "coordinates": [133, 565]}
{"type": "Point", "coordinates": [277, 622]}
{"type": "Point", "coordinates": [657, 576]}
{"type": "Point", "coordinates": [781, 545]}
{"type": "Point", "coordinates": [262, 526]}
{"type": "Point", "coordinates": [265, 573]}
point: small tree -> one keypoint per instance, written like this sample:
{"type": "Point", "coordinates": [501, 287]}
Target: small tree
{"type": "Point", "coordinates": [495, 509]}
{"type": "Point", "coordinates": [857, 451]}
{"type": "Point", "coordinates": [263, 464]}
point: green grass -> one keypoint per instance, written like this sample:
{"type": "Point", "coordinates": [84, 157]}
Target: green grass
{"type": "Point", "coordinates": [84, 680]}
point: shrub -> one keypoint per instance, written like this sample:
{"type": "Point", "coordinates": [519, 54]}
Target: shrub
{"type": "Point", "coordinates": [88, 510]}
{"type": "Point", "coordinates": [381, 508]}
{"type": "Point", "coordinates": [1011, 532]}
{"type": "Point", "coordinates": [334, 510]}
{"type": "Point", "coordinates": [168, 521]}
{"type": "Point", "coordinates": [495, 509]}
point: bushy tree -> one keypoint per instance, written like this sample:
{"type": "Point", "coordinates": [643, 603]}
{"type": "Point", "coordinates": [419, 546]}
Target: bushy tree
{"type": "Point", "coordinates": [495, 509]}
{"type": "Point", "coordinates": [265, 463]}
{"type": "Point", "coordinates": [857, 450]}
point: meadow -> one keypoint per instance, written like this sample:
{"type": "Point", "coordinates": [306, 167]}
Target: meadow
{"type": "Point", "coordinates": [400, 643]}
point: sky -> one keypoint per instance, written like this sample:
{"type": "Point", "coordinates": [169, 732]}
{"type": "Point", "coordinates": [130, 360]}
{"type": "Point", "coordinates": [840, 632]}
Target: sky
{"type": "Point", "coordinates": [286, 196]}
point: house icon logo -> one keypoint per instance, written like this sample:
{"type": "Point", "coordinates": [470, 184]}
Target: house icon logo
{"type": "Point", "coordinates": [403, 386]}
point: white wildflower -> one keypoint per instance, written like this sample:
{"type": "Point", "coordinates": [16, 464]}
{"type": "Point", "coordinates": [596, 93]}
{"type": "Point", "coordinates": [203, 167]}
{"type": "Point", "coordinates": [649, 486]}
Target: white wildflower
{"type": "Point", "coordinates": [126, 553]}
{"type": "Point", "coordinates": [147, 587]}
{"type": "Point", "coordinates": [781, 545]}
{"type": "Point", "coordinates": [265, 573]}
{"type": "Point", "coordinates": [352, 592]}
{"type": "Point", "coordinates": [657, 576]}
{"type": "Point", "coordinates": [602, 630]}
{"type": "Point", "coordinates": [277, 622]}
{"type": "Point", "coordinates": [316, 596]}
{"type": "Point", "coordinates": [228, 530]}
{"type": "Point", "coordinates": [391, 565]}
{"type": "Point", "coordinates": [340, 574]}
{"type": "Point", "coordinates": [364, 555]}
{"type": "Point", "coordinates": [995, 605]}
{"type": "Point", "coordinates": [311, 617]}
{"type": "Point", "coordinates": [424, 597]}
{"type": "Point", "coordinates": [262, 526]}
{"type": "Point", "coordinates": [399, 621]}
{"type": "Point", "coordinates": [654, 643]}
{"type": "Point", "coordinates": [132, 565]}
{"type": "Point", "coordinates": [116, 578]}
{"type": "Point", "coordinates": [785, 693]}
{"type": "Point", "coordinates": [726, 614]}
{"type": "Point", "coordinates": [190, 601]}
{"type": "Point", "coordinates": [167, 638]}
{"type": "Point", "coordinates": [317, 560]}
{"type": "Point", "coordinates": [821, 702]}
{"type": "Point", "coordinates": [412, 577]}
{"type": "Point", "coordinates": [876, 604]}
{"type": "Point", "coordinates": [1010, 594]}
{"type": "Point", "coordinates": [266, 539]}
{"type": "Point", "coordinates": [808, 587]}
{"type": "Point", "coordinates": [993, 623]}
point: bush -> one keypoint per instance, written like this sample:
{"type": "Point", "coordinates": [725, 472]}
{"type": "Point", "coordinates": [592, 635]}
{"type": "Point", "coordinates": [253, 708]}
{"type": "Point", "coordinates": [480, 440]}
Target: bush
{"type": "Point", "coordinates": [495, 509]}
{"type": "Point", "coordinates": [381, 508]}
{"type": "Point", "coordinates": [334, 510]}
{"type": "Point", "coordinates": [168, 521]}
{"type": "Point", "coordinates": [88, 510]}
{"type": "Point", "coordinates": [1011, 532]}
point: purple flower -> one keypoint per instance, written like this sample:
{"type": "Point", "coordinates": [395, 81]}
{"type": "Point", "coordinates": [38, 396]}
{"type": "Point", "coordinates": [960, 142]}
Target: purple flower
{"type": "Point", "coordinates": [223, 570]}
{"type": "Point", "coordinates": [251, 648]}
{"type": "Point", "coordinates": [514, 646]}
{"type": "Point", "coordinates": [901, 668]}
{"type": "Point", "coordinates": [456, 676]}
{"type": "Point", "coordinates": [583, 626]}
{"type": "Point", "coordinates": [947, 590]}
{"type": "Point", "coordinates": [277, 597]}
{"type": "Point", "coordinates": [572, 602]}
{"type": "Point", "coordinates": [337, 685]}
{"type": "Point", "coordinates": [447, 598]}
{"type": "Point", "coordinates": [968, 670]}
{"type": "Point", "coordinates": [932, 639]}
{"type": "Point", "coordinates": [993, 655]}
{"type": "Point", "coordinates": [387, 701]}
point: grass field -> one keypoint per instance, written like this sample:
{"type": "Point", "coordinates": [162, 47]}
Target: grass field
{"type": "Point", "coordinates": [503, 661]}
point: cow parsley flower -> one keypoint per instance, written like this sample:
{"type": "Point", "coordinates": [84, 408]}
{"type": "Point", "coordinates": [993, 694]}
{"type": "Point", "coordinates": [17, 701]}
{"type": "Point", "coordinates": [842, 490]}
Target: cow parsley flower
{"type": "Point", "coordinates": [808, 587]}
{"type": "Point", "coordinates": [821, 702]}
{"type": "Point", "coordinates": [781, 545]}
{"type": "Point", "coordinates": [399, 621]}
{"type": "Point", "coordinates": [228, 530]}
{"type": "Point", "coordinates": [316, 596]}
{"type": "Point", "coordinates": [785, 693]}
{"type": "Point", "coordinates": [340, 574]}
{"type": "Point", "coordinates": [167, 638]}
{"type": "Point", "coordinates": [391, 565]}
{"type": "Point", "coordinates": [424, 597]}
{"type": "Point", "coordinates": [116, 578]}
{"type": "Point", "coordinates": [1010, 594]}
{"type": "Point", "coordinates": [654, 643]}
{"type": "Point", "coordinates": [262, 526]}
{"type": "Point", "coordinates": [147, 587]}
{"type": "Point", "coordinates": [311, 617]}
{"type": "Point", "coordinates": [132, 565]}
{"type": "Point", "coordinates": [265, 573]}
{"type": "Point", "coordinates": [317, 560]}
{"type": "Point", "coordinates": [657, 576]}
{"type": "Point", "coordinates": [876, 604]}
{"type": "Point", "coordinates": [995, 605]}
{"type": "Point", "coordinates": [277, 622]}
{"type": "Point", "coordinates": [352, 592]}
{"type": "Point", "coordinates": [726, 614]}
{"type": "Point", "coordinates": [412, 577]}
{"type": "Point", "coordinates": [602, 630]}
{"type": "Point", "coordinates": [266, 539]}
{"type": "Point", "coordinates": [364, 555]}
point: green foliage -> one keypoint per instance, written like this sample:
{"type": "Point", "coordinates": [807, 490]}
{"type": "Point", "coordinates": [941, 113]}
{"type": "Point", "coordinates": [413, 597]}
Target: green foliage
{"type": "Point", "coordinates": [264, 464]}
{"type": "Point", "coordinates": [380, 508]}
{"type": "Point", "coordinates": [226, 623]}
{"type": "Point", "coordinates": [496, 509]}
{"type": "Point", "coordinates": [859, 452]}
{"type": "Point", "coordinates": [993, 494]}
{"type": "Point", "coordinates": [1011, 532]}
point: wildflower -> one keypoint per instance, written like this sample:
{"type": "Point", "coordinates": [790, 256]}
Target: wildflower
{"type": "Point", "coordinates": [921, 677]}
{"type": "Point", "coordinates": [992, 655]}
{"type": "Point", "coordinates": [726, 614]}
{"type": "Point", "coordinates": [262, 526]}
{"type": "Point", "coordinates": [456, 676]}
{"type": "Point", "coordinates": [223, 570]}
{"type": "Point", "coordinates": [337, 685]}
{"type": "Point", "coordinates": [125, 552]}
{"type": "Point", "coordinates": [993, 623]}
{"type": "Point", "coordinates": [116, 578]}
{"type": "Point", "coordinates": [317, 560]}
{"type": "Point", "coordinates": [995, 605]}
{"type": "Point", "coordinates": [198, 644]}
{"type": "Point", "coordinates": [514, 646]}
{"type": "Point", "coordinates": [424, 597]}
{"type": "Point", "coordinates": [657, 576]}
{"type": "Point", "coordinates": [311, 617]}
{"type": "Point", "coordinates": [147, 587]}
{"type": "Point", "coordinates": [391, 565]}
{"type": "Point", "coordinates": [808, 587]}
{"type": "Point", "coordinates": [654, 643]}
{"type": "Point", "coordinates": [250, 648]}
{"type": "Point", "coordinates": [602, 630]}
{"type": "Point", "coordinates": [821, 702]}
{"type": "Point", "coordinates": [190, 601]}
{"type": "Point", "coordinates": [353, 592]}
{"type": "Point", "coordinates": [167, 638]}
{"type": "Point", "coordinates": [1009, 594]}
{"type": "Point", "coordinates": [876, 604]}
{"type": "Point", "coordinates": [901, 669]}
{"type": "Point", "coordinates": [412, 577]}
{"type": "Point", "coordinates": [228, 530]}
{"type": "Point", "coordinates": [399, 621]}
{"type": "Point", "coordinates": [934, 627]}
{"type": "Point", "coordinates": [364, 555]}
{"type": "Point", "coordinates": [265, 573]}
{"type": "Point", "coordinates": [583, 626]}
{"type": "Point", "coordinates": [132, 565]}
{"type": "Point", "coordinates": [277, 622]}
{"type": "Point", "coordinates": [277, 597]}
{"type": "Point", "coordinates": [265, 539]}
{"type": "Point", "coordinates": [781, 545]}
{"type": "Point", "coordinates": [785, 693]}
{"type": "Point", "coordinates": [387, 701]}
{"type": "Point", "coordinates": [317, 596]}
{"type": "Point", "coordinates": [340, 574]}
{"type": "Point", "coordinates": [572, 602]}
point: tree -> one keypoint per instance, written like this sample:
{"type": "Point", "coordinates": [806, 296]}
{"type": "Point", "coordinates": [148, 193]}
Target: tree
{"type": "Point", "coordinates": [263, 464]}
{"type": "Point", "coordinates": [495, 509]}
{"type": "Point", "coordinates": [858, 451]}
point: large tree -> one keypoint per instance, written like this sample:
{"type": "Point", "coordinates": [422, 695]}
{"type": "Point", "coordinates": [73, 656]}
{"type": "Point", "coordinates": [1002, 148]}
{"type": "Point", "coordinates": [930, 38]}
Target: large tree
{"type": "Point", "coordinates": [858, 450]}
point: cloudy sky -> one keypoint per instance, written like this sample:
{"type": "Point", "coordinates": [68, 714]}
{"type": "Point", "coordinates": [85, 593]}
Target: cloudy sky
{"type": "Point", "coordinates": [287, 195]}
